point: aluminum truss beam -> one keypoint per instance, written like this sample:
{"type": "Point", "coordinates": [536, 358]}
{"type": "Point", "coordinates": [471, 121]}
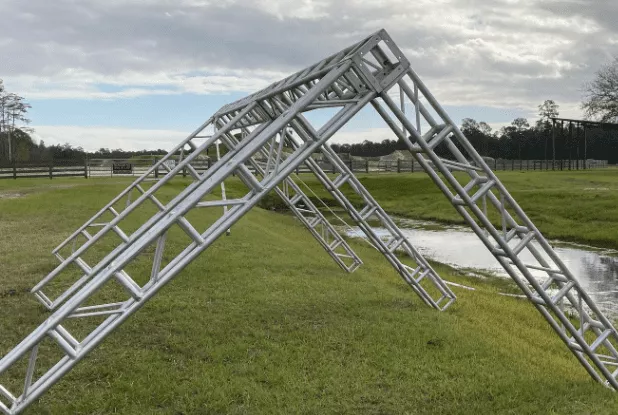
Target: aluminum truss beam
{"type": "Point", "coordinates": [473, 188]}
{"type": "Point", "coordinates": [421, 277]}
{"type": "Point", "coordinates": [371, 71]}
{"type": "Point", "coordinates": [290, 193]}
{"type": "Point", "coordinates": [300, 204]}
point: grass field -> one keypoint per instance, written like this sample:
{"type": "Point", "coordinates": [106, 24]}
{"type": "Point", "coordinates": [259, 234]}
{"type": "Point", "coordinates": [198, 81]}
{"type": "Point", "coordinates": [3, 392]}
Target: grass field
{"type": "Point", "coordinates": [264, 322]}
{"type": "Point", "coordinates": [579, 206]}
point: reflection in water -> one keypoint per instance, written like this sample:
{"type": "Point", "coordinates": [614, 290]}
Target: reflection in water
{"type": "Point", "coordinates": [457, 246]}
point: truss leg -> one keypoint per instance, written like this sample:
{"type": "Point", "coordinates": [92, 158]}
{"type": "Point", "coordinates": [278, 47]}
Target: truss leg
{"type": "Point", "coordinates": [308, 214]}
{"type": "Point", "coordinates": [421, 277]}
{"type": "Point", "coordinates": [470, 185]}
{"type": "Point", "coordinates": [79, 303]}
{"type": "Point", "coordinates": [99, 221]}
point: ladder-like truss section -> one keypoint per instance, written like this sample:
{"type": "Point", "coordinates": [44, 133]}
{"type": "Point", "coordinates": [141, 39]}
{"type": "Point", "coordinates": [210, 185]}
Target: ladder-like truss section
{"type": "Point", "coordinates": [145, 236]}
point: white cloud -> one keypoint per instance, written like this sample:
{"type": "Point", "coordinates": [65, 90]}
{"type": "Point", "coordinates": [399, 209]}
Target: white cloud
{"type": "Point", "coordinates": [80, 84]}
{"type": "Point", "coordinates": [492, 53]}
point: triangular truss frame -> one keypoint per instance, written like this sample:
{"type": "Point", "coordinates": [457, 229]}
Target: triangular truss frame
{"type": "Point", "coordinates": [267, 137]}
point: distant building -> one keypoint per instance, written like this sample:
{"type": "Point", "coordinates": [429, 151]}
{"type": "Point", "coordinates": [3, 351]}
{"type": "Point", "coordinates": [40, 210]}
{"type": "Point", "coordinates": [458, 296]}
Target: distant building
{"type": "Point", "coordinates": [397, 155]}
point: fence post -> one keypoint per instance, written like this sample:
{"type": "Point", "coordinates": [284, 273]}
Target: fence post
{"type": "Point", "coordinates": [51, 170]}
{"type": "Point", "coordinates": [366, 166]}
{"type": "Point", "coordinates": [85, 168]}
{"type": "Point", "coordinates": [14, 170]}
{"type": "Point", "coordinates": [398, 166]}
{"type": "Point", "coordinates": [412, 165]}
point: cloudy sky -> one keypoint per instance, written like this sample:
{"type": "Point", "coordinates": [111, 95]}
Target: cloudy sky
{"type": "Point", "coordinates": [143, 73]}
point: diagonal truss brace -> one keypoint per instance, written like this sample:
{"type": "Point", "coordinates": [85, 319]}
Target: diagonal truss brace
{"type": "Point", "coordinates": [421, 277]}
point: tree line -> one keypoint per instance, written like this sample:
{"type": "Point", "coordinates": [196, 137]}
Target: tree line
{"type": "Point", "coordinates": [26, 150]}
{"type": "Point", "coordinates": [518, 141]}
{"type": "Point", "coordinates": [13, 124]}
{"type": "Point", "coordinates": [540, 141]}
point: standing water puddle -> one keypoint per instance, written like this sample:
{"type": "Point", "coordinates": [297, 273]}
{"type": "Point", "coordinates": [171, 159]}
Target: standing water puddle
{"type": "Point", "coordinates": [459, 247]}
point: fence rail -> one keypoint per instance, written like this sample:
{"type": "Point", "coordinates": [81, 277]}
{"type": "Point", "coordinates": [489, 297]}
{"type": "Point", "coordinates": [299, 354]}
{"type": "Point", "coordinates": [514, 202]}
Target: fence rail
{"type": "Point", "coordinates": [42, 170]}
{"type": "Point", "coordinates": [125, 168]}
{"type": "Point", "coordinates": [547, 164]}
{"type": "Point", "coordinates": [407, 166]}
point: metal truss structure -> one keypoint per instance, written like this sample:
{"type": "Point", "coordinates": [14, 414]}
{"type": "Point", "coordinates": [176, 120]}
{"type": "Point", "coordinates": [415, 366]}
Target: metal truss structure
{"type": "Point", "coordinates": [144, 237]}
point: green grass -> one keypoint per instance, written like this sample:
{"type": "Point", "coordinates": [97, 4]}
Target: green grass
{"type": "Point", "coordinates": [264, 322]}
{"type": "Point", "coordinates": [572, 206]}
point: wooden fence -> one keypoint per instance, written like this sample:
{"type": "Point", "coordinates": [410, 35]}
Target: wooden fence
{"type": "Point", "coordinates": [547, 164]}
{"type": "Point", "coordinates": [124, 168]}
{"type": "Point", "coordinates": [48, 170]}
{"type": "Point", "coordinates": [407, 166]}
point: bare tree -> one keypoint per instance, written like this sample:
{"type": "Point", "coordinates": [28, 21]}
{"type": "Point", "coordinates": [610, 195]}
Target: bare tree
{"type": "Point", "coordinates": [16, 111]}
{"type": "Point", "coordinates": [4, 101]}
{"type": "Point", "coordinates": [601, 95]}
{"type": "Point", "coordinates": [13, 110]}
